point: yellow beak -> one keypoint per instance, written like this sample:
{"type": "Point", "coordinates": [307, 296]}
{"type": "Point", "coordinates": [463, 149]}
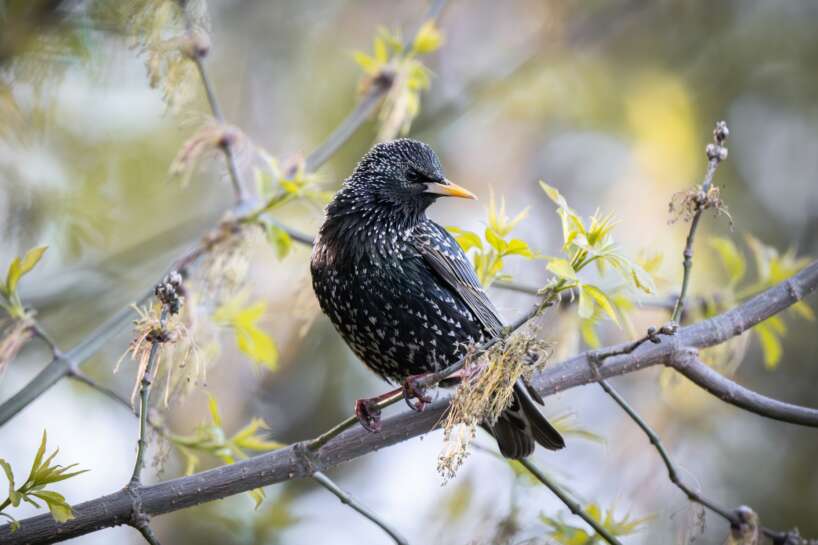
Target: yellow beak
{"type": "Point", "coordinates": [449, 189]}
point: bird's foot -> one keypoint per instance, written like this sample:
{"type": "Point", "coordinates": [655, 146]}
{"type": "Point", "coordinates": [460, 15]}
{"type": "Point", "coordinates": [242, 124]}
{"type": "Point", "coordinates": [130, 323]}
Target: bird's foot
{"type": "Point", "coordinates": [414, 389]}
{"type": "Point", "coordinates": [369, 415]}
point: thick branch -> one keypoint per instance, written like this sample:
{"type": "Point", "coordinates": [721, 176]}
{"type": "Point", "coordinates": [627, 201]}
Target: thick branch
{"type": "Point", "coordinates": [298, 461]}
{"type": "Point", "coordinates": [735, 394]}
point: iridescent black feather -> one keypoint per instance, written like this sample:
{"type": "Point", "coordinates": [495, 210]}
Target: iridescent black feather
{"type": "Point", "coordinates": [398, 287]}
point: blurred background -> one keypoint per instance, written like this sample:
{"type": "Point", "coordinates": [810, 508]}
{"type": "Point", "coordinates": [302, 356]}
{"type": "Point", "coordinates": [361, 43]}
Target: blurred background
{"type": "Point", "coordinates": [611, 102]}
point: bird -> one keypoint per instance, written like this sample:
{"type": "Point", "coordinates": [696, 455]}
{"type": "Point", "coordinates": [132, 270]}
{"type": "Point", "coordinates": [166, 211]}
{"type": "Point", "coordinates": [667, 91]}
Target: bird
{"type": "Point", "coordinates": [402, 293]}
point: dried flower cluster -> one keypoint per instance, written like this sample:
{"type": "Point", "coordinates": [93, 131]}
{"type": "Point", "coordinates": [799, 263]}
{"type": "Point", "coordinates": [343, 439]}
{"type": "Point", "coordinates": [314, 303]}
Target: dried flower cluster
{"type": "Point", "coordinates": [486, 393]}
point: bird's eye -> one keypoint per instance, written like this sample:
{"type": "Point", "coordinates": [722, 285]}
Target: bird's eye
{"type": "Point", "coordinates": [413, 175]}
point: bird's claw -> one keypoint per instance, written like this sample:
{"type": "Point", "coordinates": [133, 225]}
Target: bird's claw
{"type": "Point", "coordinates": [414, 389]}
{"type": "Point", "coordinates": [369, 415]}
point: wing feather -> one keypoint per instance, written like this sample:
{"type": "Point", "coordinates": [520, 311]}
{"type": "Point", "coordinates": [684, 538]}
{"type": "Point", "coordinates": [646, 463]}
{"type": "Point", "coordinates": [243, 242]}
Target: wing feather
{"type": "Point", "coordinates": [445, 257]}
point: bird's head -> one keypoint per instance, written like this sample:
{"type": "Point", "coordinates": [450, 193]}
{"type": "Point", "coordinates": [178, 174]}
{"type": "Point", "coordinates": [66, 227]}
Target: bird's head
{"type": "Point", "coordinates": [400, 178]}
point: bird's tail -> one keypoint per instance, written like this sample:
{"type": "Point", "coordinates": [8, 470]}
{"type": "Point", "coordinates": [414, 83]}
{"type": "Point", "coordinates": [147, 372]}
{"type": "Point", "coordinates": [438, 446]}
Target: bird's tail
{"type": "Point", "coordinates": [521, 424]}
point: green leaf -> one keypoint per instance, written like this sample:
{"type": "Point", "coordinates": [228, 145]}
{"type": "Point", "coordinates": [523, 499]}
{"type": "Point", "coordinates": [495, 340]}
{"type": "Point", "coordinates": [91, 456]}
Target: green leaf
{"type": "Point", "coordinates": [9, 476]}
{"type": "Point", "coordinates": [38, 458]}
{"type": "Point", "coordinates": [466, 239]}
{"type": "Point", "coordinates": [562, 268]}
{"type": "Point", "coordinates": [554, 195]}
{"type": "Point", "coordinates": [258, 496]}
{"type": "Point", "coordinates": [770, 345]}
{"type": "Point", "coordinates": [247, 438]}
{"type": "Point", "coordinates": [642, 279]}
{"type": "Point", "coordinates": [587, 329]}
{"type": "Point", "coordinates": [59, 508]}
{"type": "Point", "coordinates": [280, 239]}
{"type": "Point", "coordinates": [804, 310]}
{"type": "Point", "coordinates": [602, 300]}
{"type": "Point", "coordinates": [428, 38]}
{"type": "Point", "coordinates": [495, 241]}
{"type": "Point", "coordinates": [518, 247]}
{"type": "Point", "coordinates": [731, 259]}
{"type": "Point", "coordinates": [367, 63]}
{"type": "Point", "coordinates": [12, 277]}
{"type": "Point", "coordinates": [585, 308]}
{"type": "Point", "coordinates": [213, 408]}
{"type": "Point", "coordinates": [19, 268]}
{"type": "Point", "coordinates": [14, 525]}
{"type": "Point", "coordinates": [31, 258]}
{"type": "Point", "coordinates": [259, 346]}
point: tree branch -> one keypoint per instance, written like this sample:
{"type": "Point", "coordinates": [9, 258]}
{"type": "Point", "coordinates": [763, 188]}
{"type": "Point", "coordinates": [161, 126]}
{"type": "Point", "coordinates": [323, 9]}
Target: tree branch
{"type": "Point", "coordinates": [299, 461]}
{"type": "Point", "coordinates": [730, 392]}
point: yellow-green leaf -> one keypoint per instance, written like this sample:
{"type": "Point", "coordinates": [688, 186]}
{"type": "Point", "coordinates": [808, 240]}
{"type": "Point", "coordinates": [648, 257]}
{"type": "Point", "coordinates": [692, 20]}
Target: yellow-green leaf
{"type": "Point", "coordinates": [642, 279]}
{"type": "Point", "coordinates": [495, 240]}
{"type": "Point", "coordinates": [31, 258]}
{"type": "Point", "coordinates": [258, 496]}
{"type": "Point", "coordinates": [804, 310]}
{"type": "Point", "coordinates": [213, 408]}
{"type": "Point", "coordinates": [59, 508]}
{"type": "Point", "coordinates": [9, 476]}
{"type": "Point", "coordinates": [585, 308]}
{"type": "Point", "coordinates": [518, 247]}
{"type": "Point", "coordinates": [554, 195]}
{"type": "Point", "coordinates": [602, 300]}
{"type": "Point", "coordinates": [562, 268]}
{"type": "Point", "coordinates": [770, 345]}
{"type": "Point", "coordinates": [367, 63]}
{"type": "Point", "coordinates": [731, 259]}
{"type": "Point", "coordinates": [259, 346]}
{"type": "Point", "coordinates": [280, 239]}
{"type": "Point", "coordinates": [428, 38]}
{"type": "Point", "coordinates": [466, 239]}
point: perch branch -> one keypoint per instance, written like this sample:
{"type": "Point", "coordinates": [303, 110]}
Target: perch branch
{"type": "Point", "coordinates": [298, 461]}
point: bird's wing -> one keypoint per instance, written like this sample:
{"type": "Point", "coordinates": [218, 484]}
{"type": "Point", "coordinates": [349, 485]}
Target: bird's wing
{"type": "Point", "coordinates": [445, 257]}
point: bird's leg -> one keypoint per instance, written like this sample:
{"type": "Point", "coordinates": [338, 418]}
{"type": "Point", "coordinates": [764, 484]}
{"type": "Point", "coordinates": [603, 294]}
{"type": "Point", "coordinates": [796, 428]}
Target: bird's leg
{"type": "Point", "coordinates": [368, 413]}
{"type": "Point", "coordinates": [413, 388]}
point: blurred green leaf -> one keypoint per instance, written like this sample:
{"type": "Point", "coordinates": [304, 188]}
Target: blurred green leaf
{"type": "Point", "coordinates": [731, 259]}
{"type": "Point", "coordinates": [562, 268]}
{"type": "Point", "coordinates": [602, 300]}
{"type": "Point", "coordinates": [428, 39]}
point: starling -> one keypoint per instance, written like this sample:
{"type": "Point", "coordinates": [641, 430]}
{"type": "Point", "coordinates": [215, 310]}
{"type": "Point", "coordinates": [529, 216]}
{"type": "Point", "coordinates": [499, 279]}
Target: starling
{"type": "Point", "coordinates": [400, 290]}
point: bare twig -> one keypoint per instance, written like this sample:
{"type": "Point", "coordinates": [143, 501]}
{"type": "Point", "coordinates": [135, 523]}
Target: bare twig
{"type": "Point", "coordinates": [144, 403]}
{"type": "Point", "coordinates": [570, 503]}
{"type": "Point", "coordinates": [298, 461]}
{"type": "Point", "coordinates": [346, 499]}
{"type": "Point", "coordinates": [716, 153]}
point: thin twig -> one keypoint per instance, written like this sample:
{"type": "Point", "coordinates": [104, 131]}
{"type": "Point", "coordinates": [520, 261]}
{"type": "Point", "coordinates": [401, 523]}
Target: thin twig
{"type": "Point", "coordinates": [731, 517]}
{"type": "Point", "coordinates": [144, 403]}
{"type": "Point", "coordinates": [570, 503]}
{"type": "Point", "coordinates": [716, 153]}
{"type": "Point", "coordinates": [346, 499]}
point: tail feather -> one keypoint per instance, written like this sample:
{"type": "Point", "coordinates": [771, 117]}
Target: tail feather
{"type": "Point", "coordinates": [521, 424]}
